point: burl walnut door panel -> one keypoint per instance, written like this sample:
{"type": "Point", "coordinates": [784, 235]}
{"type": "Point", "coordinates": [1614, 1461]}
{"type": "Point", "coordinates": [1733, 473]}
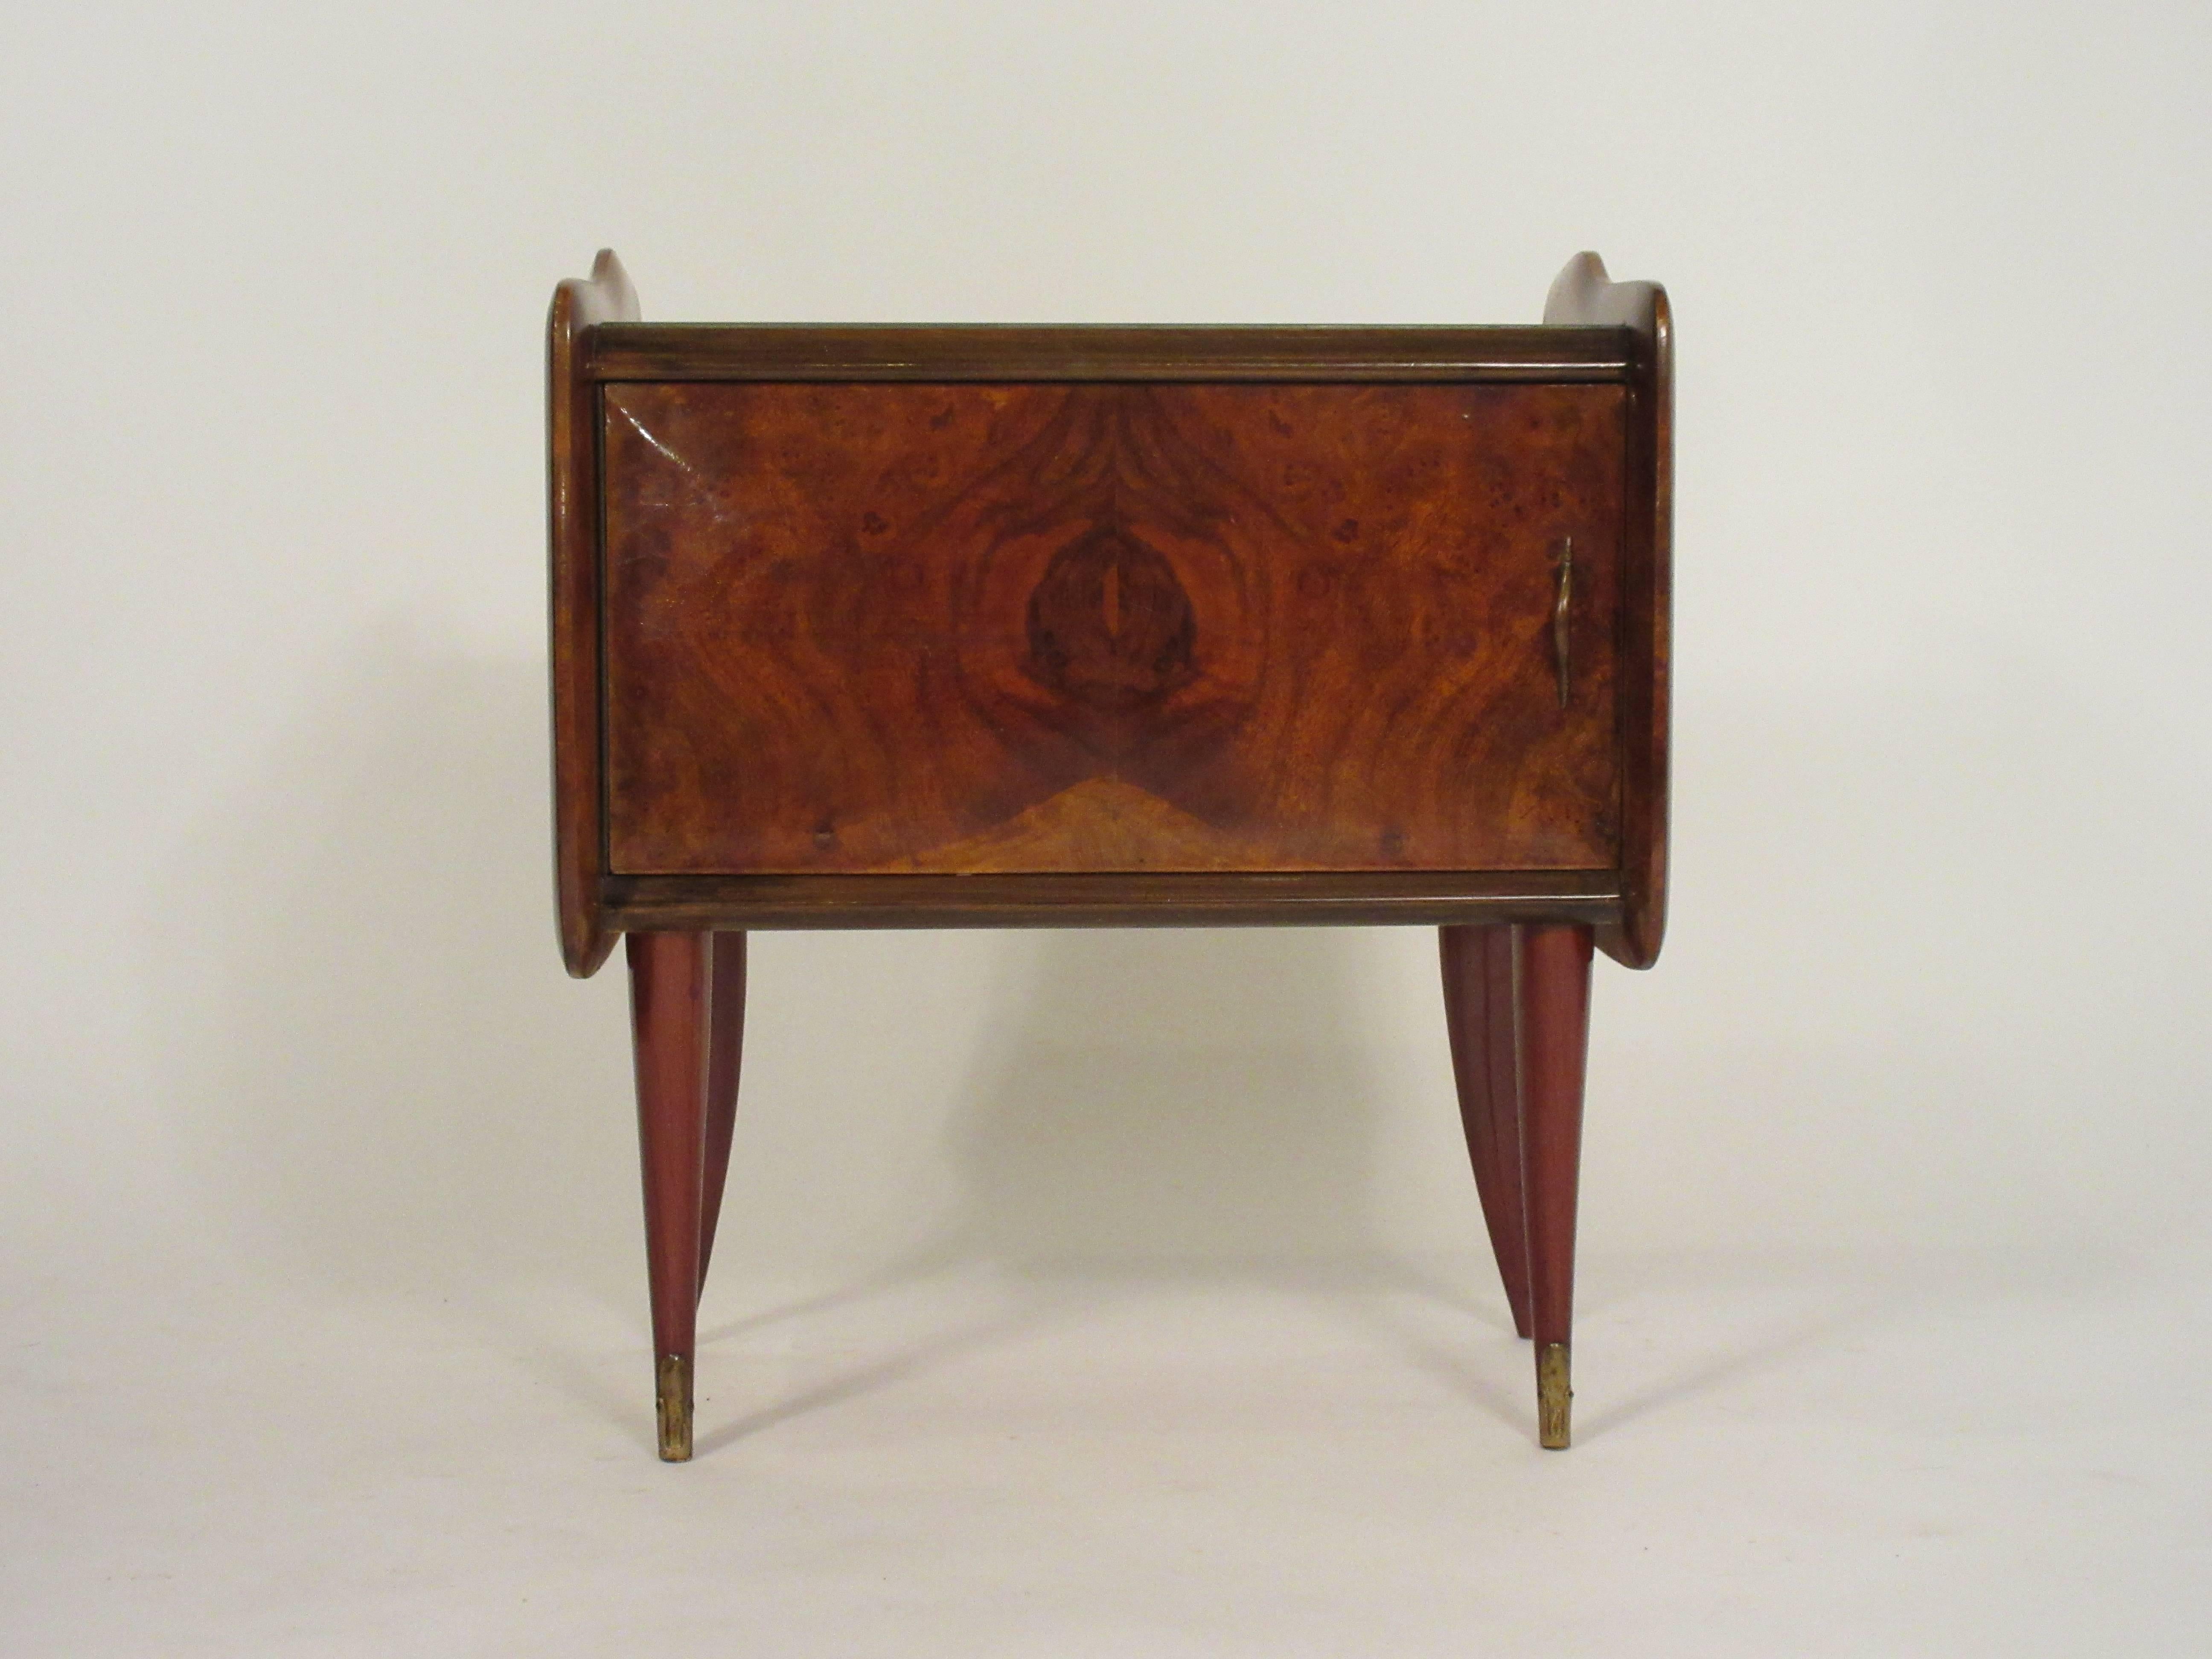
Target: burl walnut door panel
{"type": "Point", "coordinates": [1110, 626]}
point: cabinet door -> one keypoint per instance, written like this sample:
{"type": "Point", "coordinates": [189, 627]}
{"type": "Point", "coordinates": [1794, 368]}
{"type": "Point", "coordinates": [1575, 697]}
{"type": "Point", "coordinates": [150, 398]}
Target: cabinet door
{"type": "Point", "coordinates": [1109, 626]}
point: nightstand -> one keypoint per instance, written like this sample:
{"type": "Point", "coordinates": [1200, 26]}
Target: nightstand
{"type": "Point", "coordinates": [935, 627]}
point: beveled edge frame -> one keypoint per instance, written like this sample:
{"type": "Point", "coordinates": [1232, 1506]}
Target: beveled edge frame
{"type": "Point", "coordinates": [1603, 352]}
{"type": "Point", "coordinates": [1593, 329]}
{"type": "Point", "coordinates": [572, 447]}
{"type": "Point", "coordinates": [1582, 295]}
{"type": "Point", "coordinates": [1115, 899]}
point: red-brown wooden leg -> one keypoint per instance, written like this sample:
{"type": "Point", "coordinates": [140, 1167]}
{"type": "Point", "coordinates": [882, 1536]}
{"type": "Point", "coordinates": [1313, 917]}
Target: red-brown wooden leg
{"type": "Point", "coordinates": [1482, 1017]}
{"type": "Point", "coordinates": [726, 1023]}
{"type": "Point", "coordinates": [669, 976]}
{"type": "Point", "coordinates": [1555, 976]}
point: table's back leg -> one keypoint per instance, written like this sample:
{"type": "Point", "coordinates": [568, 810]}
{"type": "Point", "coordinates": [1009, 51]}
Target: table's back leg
{"type": "Point", "coordinates": [1555, 995]}
{"type": "Point", "coordinates": [1481, 1015]}
{"type": "Point", "coordinates": [669, 995]}
{"type": "Point", "coordinates": [727, 1044]}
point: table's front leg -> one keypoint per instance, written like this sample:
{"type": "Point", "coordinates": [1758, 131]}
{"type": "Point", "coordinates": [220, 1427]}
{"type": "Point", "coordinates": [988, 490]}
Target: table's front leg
{"type": "Point", "coordinates": [671, 977]}
{"type": "Point", "coordinates": [1554, 989]}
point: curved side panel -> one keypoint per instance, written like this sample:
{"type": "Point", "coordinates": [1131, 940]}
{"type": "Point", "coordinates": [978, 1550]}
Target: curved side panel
{"type": "Point", "coordinates": [1584, 294]}
{"type": "Point", "coordinates": [572, 476]}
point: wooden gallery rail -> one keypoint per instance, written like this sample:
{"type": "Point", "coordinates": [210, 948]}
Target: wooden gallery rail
{"type": "Point", "coordinates": [893, 627]}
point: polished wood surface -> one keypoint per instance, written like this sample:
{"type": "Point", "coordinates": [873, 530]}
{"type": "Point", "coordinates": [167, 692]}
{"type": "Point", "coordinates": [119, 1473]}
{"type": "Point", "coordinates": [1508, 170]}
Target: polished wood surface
{"type": "Point", "coordinates": [1145, 899]}
{"type": "Point", "coordinates": [670, 1000]}
{"type": "Point", "coordinates": [877, 626]}
{"type": "Point", "coordinates": [1001, 628]}
{"type": "Point", "coordinates": [726, 1055]}
{"type": "Point", "coordinates": [1554, 1006]}
{"type": "Point", "coordinates": [1482, 1019]}
{"type": "Point", "coordinates": [579, 306]}
{"type": "Point", "coordinates": [1583, 296]}
{"type": "Point", "coordinates": [693, 351]}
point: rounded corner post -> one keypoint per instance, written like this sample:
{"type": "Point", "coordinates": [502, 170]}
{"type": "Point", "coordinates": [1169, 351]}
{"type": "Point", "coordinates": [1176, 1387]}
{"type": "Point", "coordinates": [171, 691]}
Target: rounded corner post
{"type": "Point", "coordinates": [571, 445]}
{"type": "Point", "coordinates": [1584, 294]}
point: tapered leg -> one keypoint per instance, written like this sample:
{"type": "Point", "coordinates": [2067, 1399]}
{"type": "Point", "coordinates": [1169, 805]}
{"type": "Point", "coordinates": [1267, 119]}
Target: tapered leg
{"type": "Point", "coordinates": [669, 994]}
{"type": "Point", "coordinates": [1481, 1015]}
{"type": "Point", "coordinates": [1555, 976]}
{"type": "Point", "coordinates": [726, 1046]}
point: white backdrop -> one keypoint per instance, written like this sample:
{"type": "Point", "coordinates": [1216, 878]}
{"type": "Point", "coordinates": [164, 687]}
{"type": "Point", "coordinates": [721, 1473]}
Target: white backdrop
{"type": "Point", "coordinates": [284, 1010]}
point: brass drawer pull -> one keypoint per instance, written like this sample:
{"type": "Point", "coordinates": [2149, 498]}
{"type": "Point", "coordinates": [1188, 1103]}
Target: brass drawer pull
{"type": "Point", "coordinates": [1560, 605]}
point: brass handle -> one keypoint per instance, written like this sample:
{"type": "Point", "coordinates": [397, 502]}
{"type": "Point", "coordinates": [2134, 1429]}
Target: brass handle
{"type": "Point", "coordinates": [1561, 603]}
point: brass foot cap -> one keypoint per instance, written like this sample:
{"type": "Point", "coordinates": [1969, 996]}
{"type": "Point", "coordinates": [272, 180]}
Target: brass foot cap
{"type": "Point", "coordinates": [1553, 1397]}
{"type": "Point", "coordinates": [674, 1398]}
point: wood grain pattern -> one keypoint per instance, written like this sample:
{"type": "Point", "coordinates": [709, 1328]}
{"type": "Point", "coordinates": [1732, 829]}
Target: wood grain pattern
{"type": "Point", "coordinates": [1583, 295]}
{"type": "Point", "coordinates": [572, 528]}
{"type": "Point", "coordinates": [980, 628]}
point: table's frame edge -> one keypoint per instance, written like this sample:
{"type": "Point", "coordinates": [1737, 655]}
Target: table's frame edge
{"type": "Point", "coordinates": [1235, 898]}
